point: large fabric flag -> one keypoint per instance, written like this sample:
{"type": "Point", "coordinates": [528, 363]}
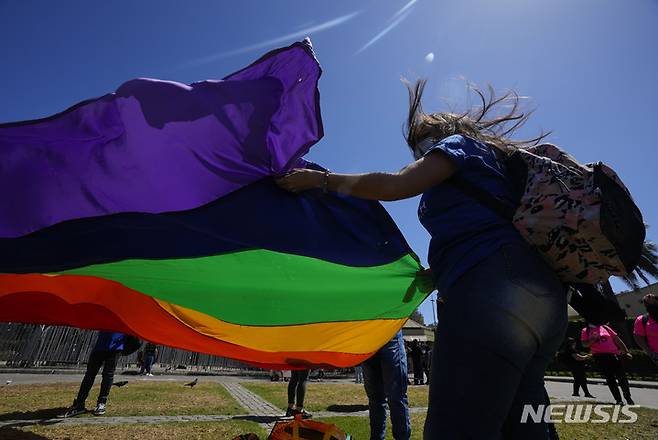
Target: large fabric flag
{"type": "Point", "coordinates": [152, 211]}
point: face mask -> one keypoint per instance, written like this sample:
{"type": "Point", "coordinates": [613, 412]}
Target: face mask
{"type": "Point", "coordinates": [422, 147]}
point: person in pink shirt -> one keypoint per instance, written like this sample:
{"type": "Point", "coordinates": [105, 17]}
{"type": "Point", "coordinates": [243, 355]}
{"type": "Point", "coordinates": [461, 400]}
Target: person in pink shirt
{"type": "Point", "coordinates": [606, 346]}
{"type": "Point", "coordinates": [645, 330]}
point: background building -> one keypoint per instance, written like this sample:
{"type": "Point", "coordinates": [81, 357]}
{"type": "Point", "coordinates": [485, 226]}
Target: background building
{"type": "Point", "coordinates": [631, 301]}
{"type": "Point", "coordinates": [414, 330]}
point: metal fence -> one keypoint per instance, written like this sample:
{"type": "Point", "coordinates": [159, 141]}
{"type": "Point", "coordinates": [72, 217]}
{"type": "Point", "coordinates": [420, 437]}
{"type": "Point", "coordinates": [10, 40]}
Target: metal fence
{"type": "Point", "coordinates": [28, 346]}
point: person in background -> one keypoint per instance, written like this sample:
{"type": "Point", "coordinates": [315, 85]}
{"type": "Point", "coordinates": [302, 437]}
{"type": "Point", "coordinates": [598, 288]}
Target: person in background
{"type": "Point", "coordinates": [576, 363]}
{"type": "Point", "coordinates": [605, 346]}
{"type": "Point", "coordinates": [105, 353]}
{"type": "Point", "coordinates": [385, 380]}
{"type": "Point", "coordinates": [645, 329]}
{"type": "Point", "coordinates": [297, 390]}
{"type": "Point", "coordinates": [427, 360]}
{"type": "Point", "coordinates": [358, 373]}
{"type": "Point", "coordinates": [417, 359]}
{"type": "Point", "coordinates": [150, 353]}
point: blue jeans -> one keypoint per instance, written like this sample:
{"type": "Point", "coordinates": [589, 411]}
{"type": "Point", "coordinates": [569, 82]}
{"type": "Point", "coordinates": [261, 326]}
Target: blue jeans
{"type": "Point", "coordinates": [502, 322]}
{"type": "Point", "coordinates": [358, 374]}
{"type": "Point", "coordinates": [385, 381]}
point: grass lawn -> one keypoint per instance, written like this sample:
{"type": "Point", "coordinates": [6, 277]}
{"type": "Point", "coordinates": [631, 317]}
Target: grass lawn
{"type": "Point", "coordinates": [224, 430]}
{"type": "Point", "coordinates": [137, 398]}
{"type": "Point", "coordinates": [171, 398]}
{"type": "Point", "coordinates": [646, 428]}
{"type": "Point", "coordinates": [329, 396]}
{"type": "Point", "coordinates": [359, 427]}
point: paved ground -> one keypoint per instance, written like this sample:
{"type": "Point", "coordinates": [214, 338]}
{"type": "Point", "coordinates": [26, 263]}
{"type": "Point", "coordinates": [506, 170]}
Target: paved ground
{"type": "Point", "coordinates": [261, 411]}
{"type": "Point", "coordinates": [562, 391]}
{"type": "Point", "coordinates": [266, 413]}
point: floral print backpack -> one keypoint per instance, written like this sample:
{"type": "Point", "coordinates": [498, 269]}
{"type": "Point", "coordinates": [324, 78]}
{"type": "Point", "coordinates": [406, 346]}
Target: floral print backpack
{"type": "Point", "coordinates": [581, 218]}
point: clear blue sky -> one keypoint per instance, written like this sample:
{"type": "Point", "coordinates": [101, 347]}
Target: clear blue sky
{"type": "Point", "coordinates": [590, 68]}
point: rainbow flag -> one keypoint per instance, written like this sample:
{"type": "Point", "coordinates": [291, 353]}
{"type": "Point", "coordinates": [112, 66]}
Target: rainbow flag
{"type": "Point", "coordinates": [152, 211]}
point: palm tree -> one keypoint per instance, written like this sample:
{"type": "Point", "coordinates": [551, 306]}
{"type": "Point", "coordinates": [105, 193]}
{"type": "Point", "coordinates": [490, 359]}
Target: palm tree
{"type": "Point", "coordinates": [646, 267]}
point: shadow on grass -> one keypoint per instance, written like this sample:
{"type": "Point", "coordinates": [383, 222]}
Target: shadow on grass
{"type": "Point", "coordinates": [10, 433]}
{"type": "Point", "coordinates": [39, 414]}
{"type": "Point", "coordinates": [347, 408]}
{"type": "Point", "coordinates": [260, 419]}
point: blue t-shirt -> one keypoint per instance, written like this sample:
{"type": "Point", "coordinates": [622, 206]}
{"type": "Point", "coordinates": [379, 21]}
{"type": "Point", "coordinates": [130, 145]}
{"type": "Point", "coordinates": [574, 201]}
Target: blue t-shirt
{"type": "Point", "coordinates": [465, 232]}
{"type": "Point", "coordinates": [109, 341]}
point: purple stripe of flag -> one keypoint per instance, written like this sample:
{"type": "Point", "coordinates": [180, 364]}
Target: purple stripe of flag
{"type": "Point", "coordinates": [158, 146]}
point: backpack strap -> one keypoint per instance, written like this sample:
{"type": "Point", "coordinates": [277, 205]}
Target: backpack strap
{"type": "Point", "coordinates": [478, 194]}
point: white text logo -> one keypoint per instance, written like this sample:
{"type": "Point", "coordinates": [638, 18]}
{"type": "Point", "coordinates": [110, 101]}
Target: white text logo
{"type": "Point", "coordinates": [579, 413]}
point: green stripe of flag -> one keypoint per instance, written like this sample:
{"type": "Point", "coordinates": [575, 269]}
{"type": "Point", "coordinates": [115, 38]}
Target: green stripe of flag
{"type": "Point", "coordinates": [260, 287]}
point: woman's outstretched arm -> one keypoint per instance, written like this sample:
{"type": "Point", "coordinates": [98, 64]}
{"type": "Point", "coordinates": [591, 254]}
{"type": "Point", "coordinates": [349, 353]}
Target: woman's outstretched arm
{"type": "Point", "coordinates": [410, 181]}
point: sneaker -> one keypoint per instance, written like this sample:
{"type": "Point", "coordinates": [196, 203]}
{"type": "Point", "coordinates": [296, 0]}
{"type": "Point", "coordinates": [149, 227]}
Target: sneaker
{"type": "Point", "coordinates": [305, 414]}
{"type": "Point", "coordinates": [630, 401]}
{"type": "Point", "coordinates": [589, 396]}
{"type": "Point", "coordinates": [74, 411]}
{"type": "Point", "coordinates": [100, 409]}
{"type": "Point", "coordinates": [149, 374]}
{"type": "Point", "coordinates": [290, 412]}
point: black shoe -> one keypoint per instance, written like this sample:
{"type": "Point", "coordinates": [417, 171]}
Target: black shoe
{"type": "Point", "coordinates": [305, 414]}
{"type": "Point", "coordinates": [290, 412]}
{"type": "Point", "coordinates": [630, 401]}
{"type": "Point", "coordinates": [619, 402]}
{"type": "Point", "coordinates": [589, 396]}
{"type": "Point", "coordinates": [577, 395]}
